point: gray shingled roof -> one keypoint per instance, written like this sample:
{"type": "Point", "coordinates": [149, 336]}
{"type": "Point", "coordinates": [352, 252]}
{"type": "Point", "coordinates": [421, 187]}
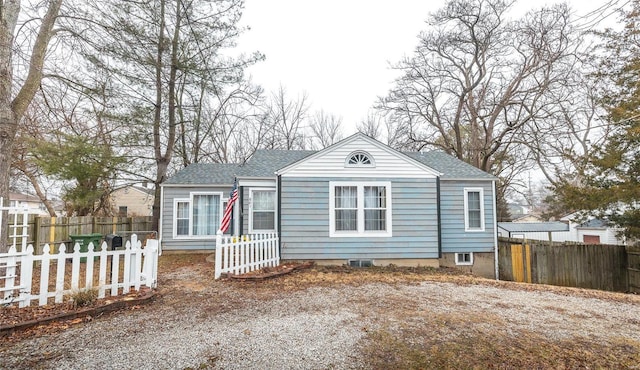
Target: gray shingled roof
{"type": "Point", "coordinates": [530, 227]}
{"type": "Point", "coordinates": [449, 166]}
{"type": "Point", "coordinates": [264, 163]}
{"type": "Point", "coordinates": [205, 173]}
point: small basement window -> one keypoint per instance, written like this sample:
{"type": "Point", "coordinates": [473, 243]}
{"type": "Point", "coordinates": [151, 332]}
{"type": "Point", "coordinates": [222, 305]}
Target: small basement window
{"type": "Point", "coordinates": [360, 263]}
{"type": "Point", "coordinates": [464, 259]}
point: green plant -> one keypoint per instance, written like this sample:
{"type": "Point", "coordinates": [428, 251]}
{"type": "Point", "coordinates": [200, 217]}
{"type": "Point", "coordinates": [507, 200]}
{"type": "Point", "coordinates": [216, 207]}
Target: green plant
{"type": "Point", "coordinates": [84, 297]}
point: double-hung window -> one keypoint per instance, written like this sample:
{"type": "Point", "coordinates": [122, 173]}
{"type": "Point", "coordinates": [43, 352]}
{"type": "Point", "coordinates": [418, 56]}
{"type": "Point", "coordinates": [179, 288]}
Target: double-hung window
{"type": "Point", "coordinates": [262, 210]}
{"type": "Point", "coordinates": [359, 208]}
{"type": "Point", "coordinates": [197, 216]}
{"type": "Point", "coordinates": [473, 209]}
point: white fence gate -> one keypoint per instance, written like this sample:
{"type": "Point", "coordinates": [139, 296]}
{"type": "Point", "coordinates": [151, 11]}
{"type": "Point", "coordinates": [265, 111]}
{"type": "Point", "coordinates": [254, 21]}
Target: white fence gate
{"type": "Point", "coordinates": [242, 254]}
{"type": "Point", "coordinates": [14, 233]}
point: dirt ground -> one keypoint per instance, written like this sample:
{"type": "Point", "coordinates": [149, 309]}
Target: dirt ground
{"type": "Point", "coordinates": [509, 325]}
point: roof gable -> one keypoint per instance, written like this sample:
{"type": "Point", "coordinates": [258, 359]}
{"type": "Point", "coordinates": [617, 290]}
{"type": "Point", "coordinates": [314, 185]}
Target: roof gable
{"type": "Point", "coordinates": [333, 161]}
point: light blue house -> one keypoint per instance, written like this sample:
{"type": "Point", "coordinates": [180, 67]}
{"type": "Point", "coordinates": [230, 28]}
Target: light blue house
{"type": "Point", "coordinates": [356, 202]}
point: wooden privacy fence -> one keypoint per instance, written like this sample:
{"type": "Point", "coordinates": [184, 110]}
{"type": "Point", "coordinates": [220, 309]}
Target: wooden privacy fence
{"type": "Point", "coordinates": [633, 260]}
{"type": "Point", "coordinates": [592, 266]}
{"type": "Point", "coordinates": [27, 277]}
{"type": "Point", "coordinates": [242, 254]}
{"type": "Point", "coordinates": [56, 230]}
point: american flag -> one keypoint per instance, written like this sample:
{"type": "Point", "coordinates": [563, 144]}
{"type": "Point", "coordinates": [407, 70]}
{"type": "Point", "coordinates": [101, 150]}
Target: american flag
{"type": "Point", "coordinates": [226, 218]}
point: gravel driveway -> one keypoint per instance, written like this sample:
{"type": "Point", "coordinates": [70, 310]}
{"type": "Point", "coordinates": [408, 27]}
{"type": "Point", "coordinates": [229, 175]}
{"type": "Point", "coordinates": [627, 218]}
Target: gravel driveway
{"type": "Point", "coordinates": [239, 325]}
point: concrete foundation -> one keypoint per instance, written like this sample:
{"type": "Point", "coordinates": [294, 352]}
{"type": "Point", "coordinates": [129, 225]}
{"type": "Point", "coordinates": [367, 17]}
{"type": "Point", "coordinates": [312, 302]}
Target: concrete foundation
{"type": "Point", "coordinates": [483, 264]}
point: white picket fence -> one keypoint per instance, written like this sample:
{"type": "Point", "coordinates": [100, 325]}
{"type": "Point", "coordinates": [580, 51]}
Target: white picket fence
{"type": "Point", "coordinates": [140, 268]}
{"type": "Point", "coordinates": [242, 254]}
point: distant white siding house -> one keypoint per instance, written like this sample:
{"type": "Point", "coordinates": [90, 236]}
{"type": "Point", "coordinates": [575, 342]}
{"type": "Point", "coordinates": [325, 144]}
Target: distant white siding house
{"type": "Point", "coordinates": [353, 202]}
{"type": "Point", "coordinates": [592, 231]}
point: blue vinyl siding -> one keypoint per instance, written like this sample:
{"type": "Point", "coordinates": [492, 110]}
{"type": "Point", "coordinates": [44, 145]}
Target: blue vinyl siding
{"type": "Point", "coordinates": [454, 237]}
{"type": "Point", "coordinates": [171, 193]}
{"type": "Point", "coordinates": [305, 222]}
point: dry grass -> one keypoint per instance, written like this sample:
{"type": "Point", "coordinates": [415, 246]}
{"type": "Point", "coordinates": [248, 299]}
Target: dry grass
{"type": "Point", "coordinates": [476, 349]}
{"type": "Point", "coordinates": [410, 337]}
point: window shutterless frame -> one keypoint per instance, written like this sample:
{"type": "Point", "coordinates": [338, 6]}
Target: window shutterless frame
{"type": "Point", "coordinates": [364, 206]}
{"type": "Point", "coordinates": [474, 210]}
{"type": "Point", "coordinates": [262, 210]}
{"type": "Point", "coordinates": [208, 222]}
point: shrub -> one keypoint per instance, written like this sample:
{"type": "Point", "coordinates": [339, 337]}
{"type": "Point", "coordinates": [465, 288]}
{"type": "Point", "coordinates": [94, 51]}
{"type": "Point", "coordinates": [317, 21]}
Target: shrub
{"type": "Point", "coordinates": [84, 297]}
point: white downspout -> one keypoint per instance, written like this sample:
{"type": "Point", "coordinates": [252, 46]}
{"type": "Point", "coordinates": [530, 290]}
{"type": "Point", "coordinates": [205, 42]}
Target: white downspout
{"type": "Point", "coordinates": [160, 221]}
{"type": "Point", "coordinates": [495, 231]}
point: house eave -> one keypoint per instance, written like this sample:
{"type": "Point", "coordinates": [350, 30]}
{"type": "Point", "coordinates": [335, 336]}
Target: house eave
{"type": "Point", "coordinates": [468, 179]}
{"type": "Point", "coordinates": [194, 185]}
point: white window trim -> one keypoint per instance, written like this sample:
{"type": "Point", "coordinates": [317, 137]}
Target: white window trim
{"type": "Point", "coordinates": [190, 200]}
{"type": "Point", "coordinates": [360, 229]}
{"type": "Point", "coordinates": [466, 210]}
{"type": "Point", "coordinates": [275, 211]}
{"type": "Point", "coordinates": [464, 263]}
{"type": "Point", "coordinates": [369, 156]}
{"type": "Point", "coordinates": [175, 217]}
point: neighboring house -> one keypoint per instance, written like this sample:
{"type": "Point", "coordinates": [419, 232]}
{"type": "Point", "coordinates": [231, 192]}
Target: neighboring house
{"type": "Point", "coordinates": [356, 202]}
{"type": "Point", "coordinates": [132, 200]}
{"type": "Point", "coordinates": [528, 218]}
{"type": "Point", "coordinates": [33, 203]}
{"type": "Point", "coordinates": [592, 231]}
{"type": "Point", "coordinates": [517, 210]}
{"type": "Point", "coordinates": [597, 231]}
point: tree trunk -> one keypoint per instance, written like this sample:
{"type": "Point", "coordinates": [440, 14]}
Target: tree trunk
{"type": "Point", "coordinates": [12, 110]}
{"type": "Point", "coordinates": [8, 122]}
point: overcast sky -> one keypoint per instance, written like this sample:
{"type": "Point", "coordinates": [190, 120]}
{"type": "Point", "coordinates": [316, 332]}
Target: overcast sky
{"type": "Point", "coordinates": [338, 51]}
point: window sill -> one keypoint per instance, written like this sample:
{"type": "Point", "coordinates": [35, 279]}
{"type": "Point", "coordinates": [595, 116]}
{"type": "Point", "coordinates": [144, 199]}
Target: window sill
{"type": "Point", "coordinates": [199, 237]}
{"type": "Point", "coordinates": [474, 230]}
{"type": "Point", "coordinates": [360, 235]}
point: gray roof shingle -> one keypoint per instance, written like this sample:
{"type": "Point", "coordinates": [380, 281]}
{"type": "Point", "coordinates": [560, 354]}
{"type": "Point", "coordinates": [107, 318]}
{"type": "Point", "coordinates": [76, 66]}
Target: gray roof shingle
{"type": "Point", "coordinates": [205, 173]}
{"type": "Point", "coordinates": [264, 163]}
{"type": "Point", "coordinates": [449, 166]}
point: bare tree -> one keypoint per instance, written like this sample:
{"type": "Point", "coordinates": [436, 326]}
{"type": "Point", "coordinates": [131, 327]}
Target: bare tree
{"type": "Point", "coordinates": [287, 118]}
{"type": "Point", "coordinates": [326, 130]}
{"type": "Point", "coordinates": [372, 125]}
{"type": "Point", "coordinates": [209, 129]}
{"type": "Point", "coordinates": [578, 131]}
{"type": "Point", "coordinates": [12, 108]}
{"type": "Point", "coordinates": [476, 80]}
